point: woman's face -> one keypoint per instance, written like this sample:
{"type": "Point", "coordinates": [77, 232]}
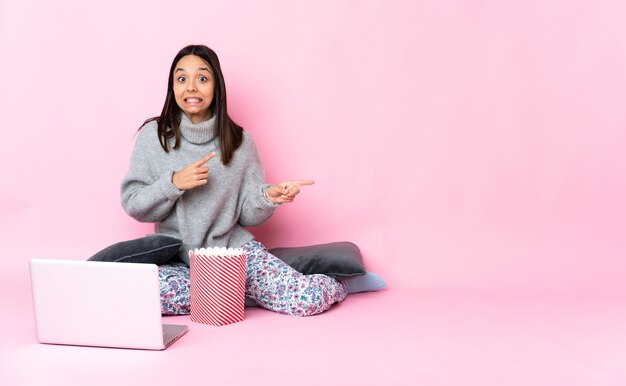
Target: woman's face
{"type": "Point", "coordinates": [194, 87]}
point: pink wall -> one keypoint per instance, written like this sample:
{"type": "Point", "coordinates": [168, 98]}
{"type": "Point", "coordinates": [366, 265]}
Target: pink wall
{"type": "Point", "coordinates": [461, 144]}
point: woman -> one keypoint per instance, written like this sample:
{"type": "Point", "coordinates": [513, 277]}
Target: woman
{"type": "Point", "coordinates": [197, 175]}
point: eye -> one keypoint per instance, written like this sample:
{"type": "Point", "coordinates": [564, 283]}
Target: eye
{"type": "Point", "coordinates": [203, 78]}
{"type": "Point", "coordinates": [181, 79]}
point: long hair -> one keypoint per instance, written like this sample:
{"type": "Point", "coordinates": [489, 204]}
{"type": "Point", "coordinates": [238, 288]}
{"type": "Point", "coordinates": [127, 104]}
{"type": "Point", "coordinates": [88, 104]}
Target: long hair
{"type": "Point", "coordinates": [229, 134]}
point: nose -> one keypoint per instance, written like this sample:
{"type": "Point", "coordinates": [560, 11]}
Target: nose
{"type": "Point", "coordinates": [191, 86]}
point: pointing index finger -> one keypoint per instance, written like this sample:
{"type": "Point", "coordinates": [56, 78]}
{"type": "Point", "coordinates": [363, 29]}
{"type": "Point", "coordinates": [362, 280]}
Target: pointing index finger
{"type": "Point", "coordinates": [204, 160]}
{"type": "Point", "coordinates": [300, 183]}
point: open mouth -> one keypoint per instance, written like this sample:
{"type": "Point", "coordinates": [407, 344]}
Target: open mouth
{"type": "Point", "coordinates": [193, 100]}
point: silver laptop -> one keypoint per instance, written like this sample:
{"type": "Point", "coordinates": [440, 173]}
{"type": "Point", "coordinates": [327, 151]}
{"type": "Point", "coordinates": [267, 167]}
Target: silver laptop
{"type": "Point", "coordinates": [94, 303]}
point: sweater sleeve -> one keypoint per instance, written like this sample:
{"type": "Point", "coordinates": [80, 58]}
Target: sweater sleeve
{"type": "Point", "coordinates": [256, 208]}
{"type": "Point", "coordinates": [147, 196]}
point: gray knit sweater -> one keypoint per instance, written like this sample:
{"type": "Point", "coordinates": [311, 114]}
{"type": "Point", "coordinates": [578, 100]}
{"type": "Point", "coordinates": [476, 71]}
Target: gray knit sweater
{"type": "Point", "coordinates": [211, 215]}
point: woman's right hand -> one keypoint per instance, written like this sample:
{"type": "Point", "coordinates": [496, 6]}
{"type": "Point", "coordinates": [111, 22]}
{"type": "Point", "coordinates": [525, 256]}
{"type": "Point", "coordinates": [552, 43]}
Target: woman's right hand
{"type": "Point", "coordinates": [193, 175]}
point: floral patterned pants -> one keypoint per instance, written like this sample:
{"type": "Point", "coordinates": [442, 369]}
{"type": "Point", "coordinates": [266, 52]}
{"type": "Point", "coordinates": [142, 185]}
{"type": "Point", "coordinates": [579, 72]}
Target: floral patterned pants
{"type": "Point", "coordinates": [270, 282]}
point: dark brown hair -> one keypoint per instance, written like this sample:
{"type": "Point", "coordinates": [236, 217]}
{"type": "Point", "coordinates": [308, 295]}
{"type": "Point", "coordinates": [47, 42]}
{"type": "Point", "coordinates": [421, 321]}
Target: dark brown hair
{"type": "Point", "coordinates": [229, 134]}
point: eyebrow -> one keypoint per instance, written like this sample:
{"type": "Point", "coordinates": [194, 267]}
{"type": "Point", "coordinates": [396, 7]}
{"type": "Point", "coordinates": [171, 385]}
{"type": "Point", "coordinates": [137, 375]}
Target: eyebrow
{"type": "Point", "coordinates": [201, 69]}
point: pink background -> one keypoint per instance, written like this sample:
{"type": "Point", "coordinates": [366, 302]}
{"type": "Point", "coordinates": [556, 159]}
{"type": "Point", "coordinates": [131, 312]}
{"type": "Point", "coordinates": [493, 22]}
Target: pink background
{"type": "Point", "coordinates": [471, 145]}
{"type": "Point", "coordinates": [473, 149]}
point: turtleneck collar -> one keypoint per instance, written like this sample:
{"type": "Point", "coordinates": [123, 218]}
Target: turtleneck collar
{"type": "Point", "coordinates": [199, 133]}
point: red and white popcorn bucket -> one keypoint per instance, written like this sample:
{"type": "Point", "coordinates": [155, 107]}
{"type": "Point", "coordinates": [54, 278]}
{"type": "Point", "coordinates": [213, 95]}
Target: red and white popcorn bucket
{"type": "Point", "coordinates": [218, 284]}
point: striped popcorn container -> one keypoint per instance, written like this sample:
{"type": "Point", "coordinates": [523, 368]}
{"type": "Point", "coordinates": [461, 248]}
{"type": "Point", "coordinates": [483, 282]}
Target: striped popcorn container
{"type": "Point", "coordinates": [218, 283]}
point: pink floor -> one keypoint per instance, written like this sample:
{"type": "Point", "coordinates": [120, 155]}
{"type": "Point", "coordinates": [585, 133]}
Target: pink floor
{"type": "Point", "coordinates": [394, 337]}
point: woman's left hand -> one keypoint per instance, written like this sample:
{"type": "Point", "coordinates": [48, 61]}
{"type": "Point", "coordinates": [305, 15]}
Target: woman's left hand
{"type": "Point", "coordinates": [285, 191]}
